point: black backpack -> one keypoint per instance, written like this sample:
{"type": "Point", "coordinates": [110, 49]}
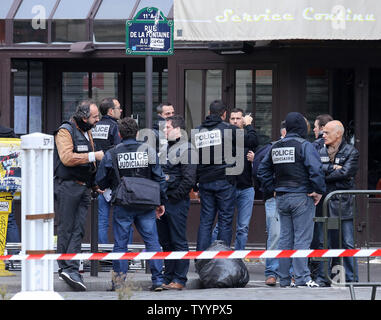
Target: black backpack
{"type": "Point", "coordinates": [135, 193]}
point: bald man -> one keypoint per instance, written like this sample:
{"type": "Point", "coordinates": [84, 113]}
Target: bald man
{"type": "Point", "coordinates": [340, 164]}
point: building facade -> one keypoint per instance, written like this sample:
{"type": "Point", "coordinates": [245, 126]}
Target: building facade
{"type": "Point", "coordinates": [52, 57]}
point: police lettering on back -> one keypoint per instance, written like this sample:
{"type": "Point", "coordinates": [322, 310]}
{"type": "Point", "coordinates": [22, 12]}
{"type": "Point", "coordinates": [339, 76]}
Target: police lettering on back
{"type": "Point", "coordinates": [132, 160]}
{"type": "Point", "coordinates": [283, 155]}
{"type": "Point", "coordinates": [208, 138]}
{"type": "Point", "coordinates": [101, 131]}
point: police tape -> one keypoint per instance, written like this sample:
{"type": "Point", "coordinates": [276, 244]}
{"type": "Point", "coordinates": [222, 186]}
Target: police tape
{"type": "Point", "coordinates": [177, 255]}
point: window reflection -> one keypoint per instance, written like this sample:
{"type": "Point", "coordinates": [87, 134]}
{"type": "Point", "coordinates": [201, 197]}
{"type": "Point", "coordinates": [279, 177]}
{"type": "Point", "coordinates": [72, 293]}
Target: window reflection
{"type": "Point", "coordinates": [263, 105]}
{"type": "Point", "coordinates": [159, 94]}
{"type": "Point", "coordinates": [75, 88]}
{"type": "Point", "coordinates": [69, 31]}
{"type": "Point", "coordinates": [4, 8]}
{"type": "Point", "coordinates": [69, 25]}
{"type": "Point", "coordinates": [110, 31]}
{"type": "Point", "coordinates": [73, 9]}
{"type": "Point", "coordinates": [317, 95]}
{"type": "Point", "coordinates": [28, 96]}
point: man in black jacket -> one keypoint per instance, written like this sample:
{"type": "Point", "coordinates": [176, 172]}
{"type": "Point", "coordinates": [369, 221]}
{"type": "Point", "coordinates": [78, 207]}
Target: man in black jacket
{"type": "Point", "coordinates": [245, 190]}
{"type": "Point", "coordinates": [180, 174]}
{"type": "Point", "coordinates": [217, 184]}
{"type": "Point", "coordinates": [132, 158]}
{"type": "Point", "coordinates": [106, 135]}
{"type": "Point", "coordinates": [164, 110]}
{"type": "Point", "coordinates": [320, 121]}
{"type": "Point", "coordinates": [340, 165]}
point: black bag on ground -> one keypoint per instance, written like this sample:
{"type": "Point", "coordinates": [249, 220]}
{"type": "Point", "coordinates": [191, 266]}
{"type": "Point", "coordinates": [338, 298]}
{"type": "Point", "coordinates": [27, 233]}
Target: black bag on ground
{"type": "Point", "coordinates": [135, 193]}
{"type": "Point", "coordinates": [222, 273]}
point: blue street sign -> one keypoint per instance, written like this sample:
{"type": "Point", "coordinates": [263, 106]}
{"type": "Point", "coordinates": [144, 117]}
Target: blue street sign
{"type": "Point", "coordinates": [149, 33]}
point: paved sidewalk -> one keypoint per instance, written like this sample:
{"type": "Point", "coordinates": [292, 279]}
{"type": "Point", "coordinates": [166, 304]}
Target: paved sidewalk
{"type": "Point", "coordinates": [140, 281]}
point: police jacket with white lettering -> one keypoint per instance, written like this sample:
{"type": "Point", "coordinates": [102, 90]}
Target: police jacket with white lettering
{"type": "Point", "coordinates": [106, 134]}
{"type": "Point", "coordinates": [134, 159]}
{"type": "Point", "coordinates": [84, 172]}
{"type": "Point", "coordinates": [340, 179]}
{"type": "Point", "coordinates": [211, 136]}
{"type": "Point", "coordinates": [180, 170]}
{"type": "Point", "coordinates": [292, 165]}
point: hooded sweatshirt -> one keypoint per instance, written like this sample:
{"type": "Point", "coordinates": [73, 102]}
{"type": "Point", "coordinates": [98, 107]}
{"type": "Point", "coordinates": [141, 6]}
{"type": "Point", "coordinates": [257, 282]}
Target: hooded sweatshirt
{"type": "Point", "coordinates": [215, 169]}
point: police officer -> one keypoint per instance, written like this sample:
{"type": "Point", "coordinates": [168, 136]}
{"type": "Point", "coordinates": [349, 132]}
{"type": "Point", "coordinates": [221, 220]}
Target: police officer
{"type": "Point", "coordinates": [106, 135]}
{"type": "Point", "coordinates": [217, 189]}
{"type": "Point", "coordinates": [164, 110]}
{"type": "Point", "coordinates": [180, 174]}
{"type": "Point", "coordinates": [245, 191]}
{"type": "Point", "coordinates": [145, 221]}
{"type": "Point", "coordinates": [75, 166]}
{"type": "Point", "coordinates": [299, 185]}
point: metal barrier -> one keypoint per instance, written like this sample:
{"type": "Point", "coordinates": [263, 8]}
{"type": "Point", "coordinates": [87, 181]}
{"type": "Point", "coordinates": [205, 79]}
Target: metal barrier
{"type": "Point", "coordinates": [334, 223]}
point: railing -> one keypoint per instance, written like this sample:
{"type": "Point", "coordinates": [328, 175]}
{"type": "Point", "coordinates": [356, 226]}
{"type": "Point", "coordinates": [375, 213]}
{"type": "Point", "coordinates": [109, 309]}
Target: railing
{"type": "Point", "coordinates": [335, 224]}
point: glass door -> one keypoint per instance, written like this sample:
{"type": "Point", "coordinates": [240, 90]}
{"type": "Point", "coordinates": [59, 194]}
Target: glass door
{"type": "Point", "coordinates": [79, 86]}
{"type": "Point", "coordinates": [253, 93]}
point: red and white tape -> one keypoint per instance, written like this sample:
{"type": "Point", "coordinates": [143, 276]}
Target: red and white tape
{"type": "Point", "coordinates": [175, 255]}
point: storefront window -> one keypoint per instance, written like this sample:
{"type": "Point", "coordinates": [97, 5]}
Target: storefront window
{"type": "Point", "coordinates": [28, 96]}
{"type": "Point", "coordinates": [75, 88]}
{"type": "Point", "coordinates": [69, 25]}
{"type": "Point", "coordinates": [104, 85]}
{"type": "Point", "coordinates": [201, 88]}
{"type": "Point", "coordinates": [79, 86]}
{"type": "Point", "coordinates": [263, 105]}
{"type": "Point", "coordinates": [30, 21]}
{"type": "Point", "coordinates": [159, 94]}
{"type": "Point", "coordinates": [317, 95]}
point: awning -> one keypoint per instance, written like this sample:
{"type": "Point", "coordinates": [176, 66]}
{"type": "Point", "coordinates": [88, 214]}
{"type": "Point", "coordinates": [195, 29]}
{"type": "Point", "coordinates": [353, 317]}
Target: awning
{"type": "Point", "coordinates": [251, 20]}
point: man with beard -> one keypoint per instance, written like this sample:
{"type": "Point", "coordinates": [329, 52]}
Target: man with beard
{"type": "Point", "coordinates": [74, 169]}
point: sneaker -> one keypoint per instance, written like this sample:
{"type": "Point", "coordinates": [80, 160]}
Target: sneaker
{"type": "Point", "coordinates": [74, 280]}
{"type": "Point", "coordinates": [157, 287]}
{"type": "Point", "coordinates": [309, 284]}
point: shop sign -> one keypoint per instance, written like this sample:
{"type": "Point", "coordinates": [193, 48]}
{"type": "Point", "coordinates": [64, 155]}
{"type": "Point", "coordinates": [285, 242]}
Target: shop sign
{"type": "Point", "coordinates": [248, 20]}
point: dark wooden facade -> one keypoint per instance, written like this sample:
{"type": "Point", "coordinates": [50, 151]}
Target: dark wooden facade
{"type": "Point", "coordinates": [350, 99]}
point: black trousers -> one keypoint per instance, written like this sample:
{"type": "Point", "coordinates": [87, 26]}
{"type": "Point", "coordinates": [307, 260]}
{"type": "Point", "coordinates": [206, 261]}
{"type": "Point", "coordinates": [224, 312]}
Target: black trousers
{"type": "Point", "coordinates": [73, 202]}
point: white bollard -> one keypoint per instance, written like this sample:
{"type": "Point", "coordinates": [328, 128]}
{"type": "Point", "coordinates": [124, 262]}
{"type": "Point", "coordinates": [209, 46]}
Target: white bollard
{"type": "Point", "coordinates": [37, 217]}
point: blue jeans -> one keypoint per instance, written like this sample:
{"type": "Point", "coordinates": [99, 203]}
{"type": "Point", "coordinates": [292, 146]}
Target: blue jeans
{"type": "Point", "coordinates": [296, 212]}
{"type": "Point", "coordinates": [273, 235]}
{"type": "Point", "coordinates": [145, 224]}
{"type": "Point", "coordinates": [173, 237]}
{"type": "Point", "coordinates": [350, 263]}
{"type": "Point", "coordinates": [216, 196]}
{"type": "Point", "coordinates": [318, 243]}
{"type": "Point", "coordinates": [104, 208]}
{"type": "Point", "coordinates": [103, 219]}
{"type": "Point", "coordinates": [244, 204]}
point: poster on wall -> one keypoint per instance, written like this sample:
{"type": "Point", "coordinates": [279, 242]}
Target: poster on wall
{"type": "Point", "coordinates": [10, 165]}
